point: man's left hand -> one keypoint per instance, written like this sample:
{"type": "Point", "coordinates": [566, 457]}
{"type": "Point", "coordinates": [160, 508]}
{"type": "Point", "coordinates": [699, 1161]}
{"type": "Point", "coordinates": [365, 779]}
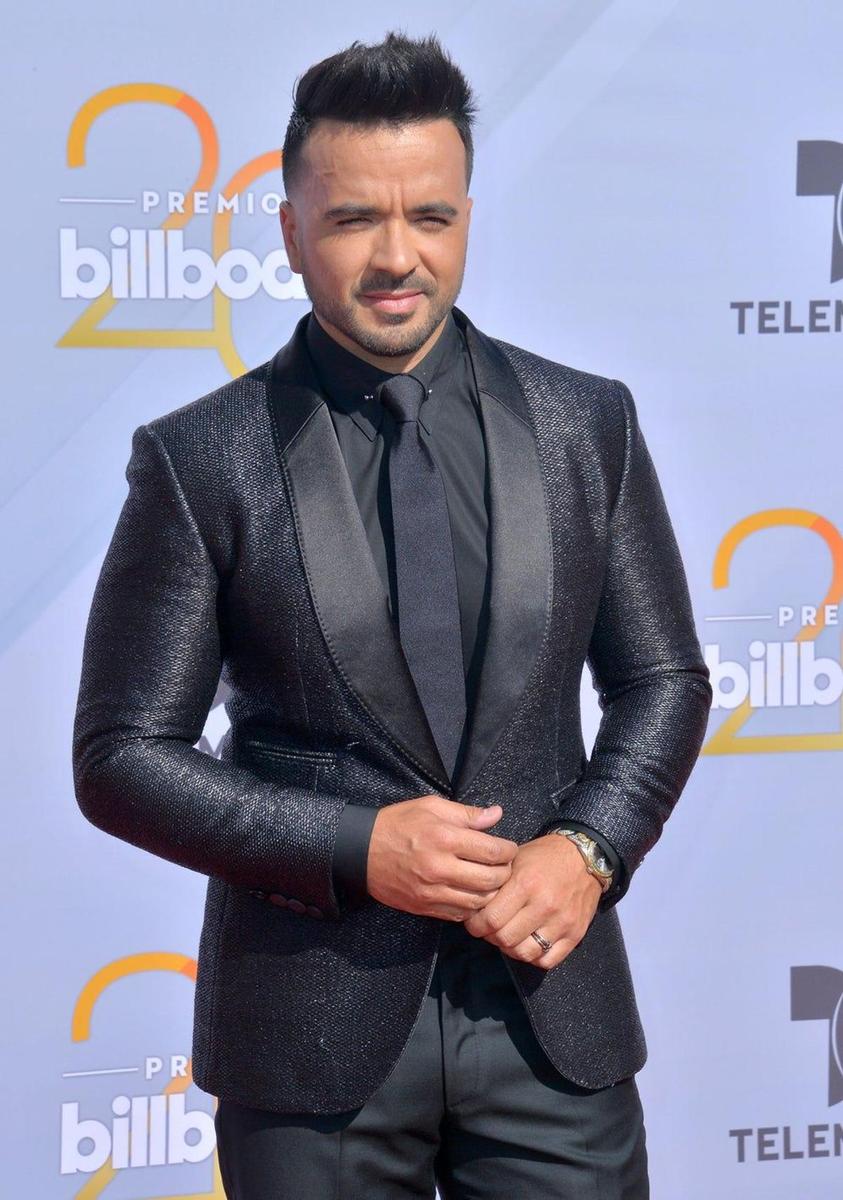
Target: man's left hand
{"type": "Point", "coordinates": [549, 890]}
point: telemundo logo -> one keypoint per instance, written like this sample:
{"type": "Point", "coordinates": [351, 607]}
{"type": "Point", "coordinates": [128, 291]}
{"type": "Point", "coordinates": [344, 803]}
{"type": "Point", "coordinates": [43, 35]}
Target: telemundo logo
{"type": "Point", "coordinates": [819, 173]}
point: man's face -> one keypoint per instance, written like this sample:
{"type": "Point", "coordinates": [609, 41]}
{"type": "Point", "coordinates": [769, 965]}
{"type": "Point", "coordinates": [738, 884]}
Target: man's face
{"type": "Point", "coordinates": [375, 213]}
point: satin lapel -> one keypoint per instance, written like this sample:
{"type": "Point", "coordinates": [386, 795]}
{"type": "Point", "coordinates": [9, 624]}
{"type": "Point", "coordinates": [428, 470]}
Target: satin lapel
{"type": "Point", "coordinates": [521, 561]}
{"type": "Point", "coordinates": [345, 587]}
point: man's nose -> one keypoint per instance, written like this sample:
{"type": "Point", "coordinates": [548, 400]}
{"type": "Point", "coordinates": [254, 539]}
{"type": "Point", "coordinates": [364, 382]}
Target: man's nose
{"type": "Point", "coordinates": [394, 253]}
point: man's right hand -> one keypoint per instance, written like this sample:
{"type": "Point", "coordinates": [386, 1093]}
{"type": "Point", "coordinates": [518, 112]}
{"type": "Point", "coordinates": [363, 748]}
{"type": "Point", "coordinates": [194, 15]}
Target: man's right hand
{"type": "Point", "coordinates": [429, 856]}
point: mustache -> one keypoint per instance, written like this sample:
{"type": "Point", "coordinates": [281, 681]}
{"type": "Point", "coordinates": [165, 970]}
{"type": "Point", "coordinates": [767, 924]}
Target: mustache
{"type": "Point", "coordinates": [406, 285]}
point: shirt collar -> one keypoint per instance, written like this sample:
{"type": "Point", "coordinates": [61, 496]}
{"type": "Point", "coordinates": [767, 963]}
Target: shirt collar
{"type": "Point", "coordinates": [352, 385]}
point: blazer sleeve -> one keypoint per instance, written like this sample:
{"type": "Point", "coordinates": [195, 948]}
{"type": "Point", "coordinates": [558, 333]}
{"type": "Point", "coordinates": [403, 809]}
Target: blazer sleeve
{"type": "Point", "coordinates": [150, 667]}
{"type": "Point", "coordinates": [647, 667]}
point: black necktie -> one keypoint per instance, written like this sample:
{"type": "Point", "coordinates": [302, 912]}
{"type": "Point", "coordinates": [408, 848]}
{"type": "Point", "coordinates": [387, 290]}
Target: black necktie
{"type": "Point", "coordinates": [428, 603]}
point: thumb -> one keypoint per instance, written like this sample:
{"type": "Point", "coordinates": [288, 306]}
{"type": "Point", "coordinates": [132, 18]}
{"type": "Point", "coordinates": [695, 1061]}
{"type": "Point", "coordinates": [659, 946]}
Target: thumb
{"type": "Point", "coordinates": [480, 817]}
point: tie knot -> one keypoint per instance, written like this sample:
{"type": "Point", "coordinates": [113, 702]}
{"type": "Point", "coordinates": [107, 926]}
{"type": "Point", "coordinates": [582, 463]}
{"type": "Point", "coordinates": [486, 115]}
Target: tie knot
{"type": "Point", "coordinates": [402, 395]}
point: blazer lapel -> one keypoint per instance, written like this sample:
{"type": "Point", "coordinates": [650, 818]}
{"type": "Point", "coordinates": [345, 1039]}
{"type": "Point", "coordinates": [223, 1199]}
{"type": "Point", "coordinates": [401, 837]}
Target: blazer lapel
{"type": "Point", "coordinates": [346, 589]}
{"type": "Point", "coordinates": [521, 560]}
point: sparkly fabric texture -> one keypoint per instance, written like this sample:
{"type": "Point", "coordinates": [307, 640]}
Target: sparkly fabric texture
{"type": "Point", "coordinates": [307, 1006]}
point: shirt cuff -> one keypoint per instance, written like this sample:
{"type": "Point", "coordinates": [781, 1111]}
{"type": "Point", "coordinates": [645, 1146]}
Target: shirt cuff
{"type": "Point", "coordinates": [351, 852]}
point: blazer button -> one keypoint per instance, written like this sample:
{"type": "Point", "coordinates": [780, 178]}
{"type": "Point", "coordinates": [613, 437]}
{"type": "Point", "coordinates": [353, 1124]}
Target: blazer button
{"type": "Point", "coordinates": [296, 905]}
{"type": "Point", "coordinates": [278, 899]}
{"type": "Point", "coordinates": [313, 911]}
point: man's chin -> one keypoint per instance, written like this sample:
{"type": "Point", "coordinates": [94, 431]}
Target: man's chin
{"type": "Point", "coordinates": [393, 335]}
{"type": "Point", "coordinates": [398, 346]}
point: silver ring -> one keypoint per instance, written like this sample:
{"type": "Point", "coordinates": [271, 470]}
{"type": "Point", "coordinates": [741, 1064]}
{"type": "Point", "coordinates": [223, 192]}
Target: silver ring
{"type": "Point", "coordinates": [542, 941]}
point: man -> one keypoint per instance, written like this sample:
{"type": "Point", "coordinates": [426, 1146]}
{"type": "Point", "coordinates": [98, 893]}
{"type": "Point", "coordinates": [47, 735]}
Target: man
{"type": "Point", "coordinates": [399, 541]}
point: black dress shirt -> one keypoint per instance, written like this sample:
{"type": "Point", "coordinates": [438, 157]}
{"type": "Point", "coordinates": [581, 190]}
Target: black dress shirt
{"type": "Point", "coordinates": [451, 425]}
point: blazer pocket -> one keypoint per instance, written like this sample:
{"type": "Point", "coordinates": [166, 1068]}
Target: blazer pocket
{"type": "Point", "coordinates": [273, 761]}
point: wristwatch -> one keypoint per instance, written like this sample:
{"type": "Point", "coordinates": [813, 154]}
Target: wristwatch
{"type": "Point", "coordinates": [595, 859]}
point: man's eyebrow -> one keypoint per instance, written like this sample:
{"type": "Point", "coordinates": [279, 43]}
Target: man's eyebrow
{"type": "Point", "coordinates": [437, 207]}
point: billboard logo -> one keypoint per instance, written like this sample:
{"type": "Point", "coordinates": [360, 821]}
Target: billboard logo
{"type": "Point", "coordinates": [780, 674]}
{"type": "Point", "coordinates": [145, 1131]}
{"type": "Point", "coordinates": [155, 264]}
{"type": "Point", "coordinates": [794, 673]}
{"type": "Point", "coordinates": [143, 266]}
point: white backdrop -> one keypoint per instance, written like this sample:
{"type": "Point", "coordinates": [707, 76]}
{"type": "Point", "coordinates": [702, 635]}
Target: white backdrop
{"type": "Point", "coordinates": [657, 199]}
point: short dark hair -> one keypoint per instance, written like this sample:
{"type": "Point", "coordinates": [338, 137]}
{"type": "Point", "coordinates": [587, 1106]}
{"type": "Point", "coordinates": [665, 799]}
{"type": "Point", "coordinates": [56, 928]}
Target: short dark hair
{"type": "Point", "coordinates": [394, 82]}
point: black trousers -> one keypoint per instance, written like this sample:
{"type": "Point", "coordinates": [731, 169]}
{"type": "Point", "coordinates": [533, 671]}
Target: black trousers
{"type": "Point", "coordinates": [473, 1108]}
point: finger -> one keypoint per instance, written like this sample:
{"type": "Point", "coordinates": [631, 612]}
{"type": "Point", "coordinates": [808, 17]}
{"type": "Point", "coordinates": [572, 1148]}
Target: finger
{"type": "Point", "coordinates": [481, 817]}
{"type": "Point", "coordinates": [497, 913]}
{"type": "Point", "coordinates": [530, 951]}
{"type": "Point", "coordinates": [476, 846]}
{"type": "Point", "coordinates": [474, 877]}
{"type": "Point", "coordinates": [460, 903]}
{"type": "Point", "coordinates": [518, 931]}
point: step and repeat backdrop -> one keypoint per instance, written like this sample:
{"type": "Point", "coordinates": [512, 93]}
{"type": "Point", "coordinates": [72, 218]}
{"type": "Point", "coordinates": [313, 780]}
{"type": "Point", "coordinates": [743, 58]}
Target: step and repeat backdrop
{"type": "Point", "coordinates": [657, 198]}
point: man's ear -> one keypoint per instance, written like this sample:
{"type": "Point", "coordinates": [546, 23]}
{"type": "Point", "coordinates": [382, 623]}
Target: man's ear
{"type": "Point", "coordinates": [287, 220]}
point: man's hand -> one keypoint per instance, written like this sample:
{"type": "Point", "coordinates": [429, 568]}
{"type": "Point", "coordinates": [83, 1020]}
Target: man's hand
{"type": "Point", "coordinates": [550, 890]}
{"type": "Point", "coordinates": [429, 856]}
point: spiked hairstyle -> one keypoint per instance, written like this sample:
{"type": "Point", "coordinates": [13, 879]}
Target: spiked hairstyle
{"type": "Point", "coordinates": [397, 81]}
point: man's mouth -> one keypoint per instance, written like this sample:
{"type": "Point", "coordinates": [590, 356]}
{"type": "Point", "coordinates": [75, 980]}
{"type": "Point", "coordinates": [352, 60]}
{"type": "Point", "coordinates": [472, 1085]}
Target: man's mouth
{"type": "Point", "coordinates": [392, 301]}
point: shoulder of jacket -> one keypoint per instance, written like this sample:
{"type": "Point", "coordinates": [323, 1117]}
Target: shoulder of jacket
{"type": "Point", "coordinates": [215, 414]}
{"type": "Point", "coordinates": [557, 382]}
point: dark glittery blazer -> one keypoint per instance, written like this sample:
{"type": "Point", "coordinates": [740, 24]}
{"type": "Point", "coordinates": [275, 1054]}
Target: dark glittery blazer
{"type": "Point", "coordinates": [240, 553]}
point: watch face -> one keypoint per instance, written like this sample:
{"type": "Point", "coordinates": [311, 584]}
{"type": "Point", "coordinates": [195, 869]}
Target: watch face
{"type": "Point", "coordinates": [597, 858]}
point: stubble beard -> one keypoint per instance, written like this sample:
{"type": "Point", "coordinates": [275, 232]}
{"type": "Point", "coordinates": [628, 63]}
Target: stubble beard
{"type": "Point", "coordinates": [400, 337]}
